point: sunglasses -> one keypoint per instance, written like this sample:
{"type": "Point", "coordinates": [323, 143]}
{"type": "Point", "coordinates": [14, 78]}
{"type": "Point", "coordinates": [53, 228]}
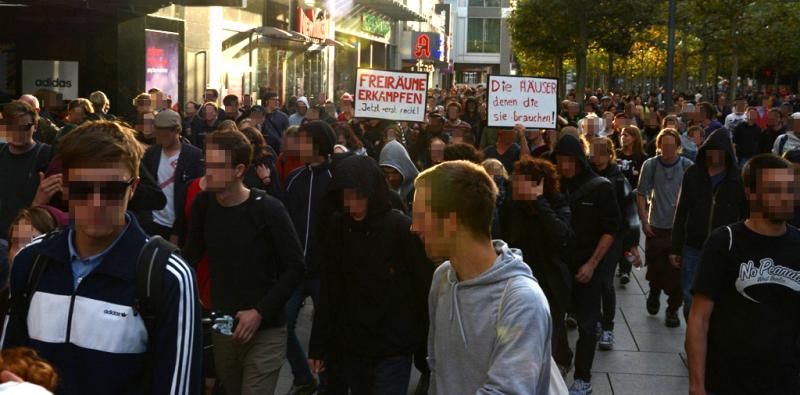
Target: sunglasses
{"type": "Point", "coordinates": [108, 190]}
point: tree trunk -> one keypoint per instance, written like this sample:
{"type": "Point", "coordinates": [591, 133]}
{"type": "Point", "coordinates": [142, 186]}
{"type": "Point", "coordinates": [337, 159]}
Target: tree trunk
{"type": "Point", "coordinates": [734, 85]}
{"type": "Point", "coordinates": [580, 65]}
{"type": "Point", "coordinates": [610, 71]}
{"type": "Point", "coordinates": [683, 80]}
{"type": "Point", "coordinates": [559, 72]}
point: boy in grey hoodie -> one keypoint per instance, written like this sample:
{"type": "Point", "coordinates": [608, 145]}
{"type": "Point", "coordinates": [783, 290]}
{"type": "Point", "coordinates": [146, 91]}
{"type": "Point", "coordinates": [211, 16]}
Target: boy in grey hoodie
{"type": "Point", "coordinates": [490, 322]}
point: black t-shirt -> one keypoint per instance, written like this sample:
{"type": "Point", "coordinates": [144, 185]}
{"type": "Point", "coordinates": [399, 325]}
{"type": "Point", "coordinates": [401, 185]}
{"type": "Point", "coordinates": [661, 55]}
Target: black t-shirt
{"type": "Point", "coordinates": [754, 333]}
{"type": "Point", "coordinates": [19, 179]}
{"type": "Point", "coordinates": [630, 166]}
{"type": "Point", "coordinates": [507, 158]}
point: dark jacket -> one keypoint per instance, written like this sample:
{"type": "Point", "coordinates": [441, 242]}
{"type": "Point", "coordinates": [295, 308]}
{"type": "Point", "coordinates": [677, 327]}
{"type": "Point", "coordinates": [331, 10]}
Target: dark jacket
{"type": "Point", "coordinates": [106, 348]}
{"type": "Point", "coordinates": [201, 129]}
{"type": "Point", "coordinates": [541, 229]}
{"type": "Point", "coordinates": [595, 212]}
{"type": "Point", "coordinates": [305, 188]}
{"type": "Point", "coordinates": [190, 166]}
{"type": "Point", "coordinates": [747, 138]}
{"type": "Point", "coordinates": [375, 277]}
{"type": "Point", "coordinates": [622, 192]}
{"type": "Point", "coordinates": [251, 179]}
{"type": "Point", "coordinates": [275, 123]}
{"type": "Point", "coordinates": [701, 210]}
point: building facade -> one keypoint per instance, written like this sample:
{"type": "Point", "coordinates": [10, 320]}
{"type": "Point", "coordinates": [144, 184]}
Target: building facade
{"type": "Point", "coordinates": [476, 40]}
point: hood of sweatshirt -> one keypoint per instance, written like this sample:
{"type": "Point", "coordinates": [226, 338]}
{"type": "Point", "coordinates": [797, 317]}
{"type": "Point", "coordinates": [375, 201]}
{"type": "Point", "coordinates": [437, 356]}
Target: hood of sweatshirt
{"type": "Point", "coordinates": [570, 146]}
{"type": "Point", "coordinates": [394, 155]}
{"type": "Point", "coordinates": [362, 174]}
{"type": "Point", "coordinates": [718, 140]}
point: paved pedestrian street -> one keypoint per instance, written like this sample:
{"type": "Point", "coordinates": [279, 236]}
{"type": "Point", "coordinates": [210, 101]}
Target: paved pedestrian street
{"type": "Point", "coordinates": [648, 358]}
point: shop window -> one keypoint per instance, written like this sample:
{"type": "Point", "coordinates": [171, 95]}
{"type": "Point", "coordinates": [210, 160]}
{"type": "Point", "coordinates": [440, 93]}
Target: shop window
{"type": "Point", "coordinates": [484, 3]}
{"type": "Point", "coordinates": [471, 77]}
{"type": "Point", "coordinates": [483, 35]}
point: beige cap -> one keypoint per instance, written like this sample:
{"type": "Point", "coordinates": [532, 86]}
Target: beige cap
{"type": "Point", "coordinates": [167, 119]}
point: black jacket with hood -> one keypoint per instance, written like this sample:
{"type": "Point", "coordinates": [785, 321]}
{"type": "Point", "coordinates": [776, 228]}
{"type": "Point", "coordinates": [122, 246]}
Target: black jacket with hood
{"type": "Point", "coordinates": [595, 212]}
{"type": "Point", "coordinates": [375, 276]}
{"type": "Point", "coordinates": [701, 210]}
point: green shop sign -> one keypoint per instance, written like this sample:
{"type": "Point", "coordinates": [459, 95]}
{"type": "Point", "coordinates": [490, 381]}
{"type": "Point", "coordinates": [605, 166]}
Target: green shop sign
{"type": "Point", "coordinates": [375, 25]}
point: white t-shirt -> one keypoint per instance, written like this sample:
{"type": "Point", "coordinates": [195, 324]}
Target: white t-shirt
{"type": "Point", "coordinates": [733, 120]}
{"type": "Point", "coordinates": [166, 181]}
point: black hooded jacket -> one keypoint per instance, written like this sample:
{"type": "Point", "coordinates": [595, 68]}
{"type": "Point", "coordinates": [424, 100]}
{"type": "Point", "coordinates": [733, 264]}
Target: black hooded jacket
{"type": "Point", "coordinates": [375, 275]}
{"type": "Point", "coordinates": [701, 210]}
{"type": "Point", "coordinates": [595, 211]}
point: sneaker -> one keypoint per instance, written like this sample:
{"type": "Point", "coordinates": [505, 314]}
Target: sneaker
{"type": "Point", "coordinates": [624, 279]}
{"type": "Point", "coordinates": [653, 302]}
{"type": "Point", "coordinates": [672, 320]}
{"type": "Point", "coordinates": [606, 342]}
{"type": "Point", "coordinates": [580, 387]}
{"type": "Point", "coordinates": [308, 388]}
{"type": "Point", "coordinates": [571, 322]}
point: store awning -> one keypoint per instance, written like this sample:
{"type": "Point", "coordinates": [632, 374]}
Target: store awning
{"type": "Point", "coordinates": [393, 9]}
{"type": "Point", "coordinates": [274, 36]}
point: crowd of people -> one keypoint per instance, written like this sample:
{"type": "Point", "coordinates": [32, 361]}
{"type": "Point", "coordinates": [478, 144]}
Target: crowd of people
{"type": "Point", "coordinates": [465, 251]}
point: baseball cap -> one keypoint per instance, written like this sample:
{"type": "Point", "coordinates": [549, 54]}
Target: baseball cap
{"type": "Point", "coordinates": [347, 97]}
{"type": "Point", "coordinates": [167, 119]}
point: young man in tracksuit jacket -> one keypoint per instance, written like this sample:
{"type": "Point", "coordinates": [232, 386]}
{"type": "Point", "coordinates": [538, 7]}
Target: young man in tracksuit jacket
{"type": "Point", "coordinates": [712, 195]}
{"type": "Point", "coordinates": [374, 284]}
{"type": "Point", "coordinates": [82, 314]}
{"type": "Point", "coordinates": [596, 220]}
{"type": "Point", "coordinates": [305, 190]}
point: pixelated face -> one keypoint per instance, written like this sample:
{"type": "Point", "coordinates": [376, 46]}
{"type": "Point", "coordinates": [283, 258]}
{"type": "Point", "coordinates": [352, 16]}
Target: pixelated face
{"type": "Point", "coordinates": [752, 116]}
{"type": "Point", "coordinates": [354, 204]}
{"type": "Point", "coordinates": [795, 125]}
{"type": "Point", "coordinates": [598, 153]}
{"type": "Point", "coordinates": [301, 108]}
{"type": "Point", "coordinates": [608, 119]}
{"type": "Point", "coordinates": [715, 158]}
{"type": "Point", "coordinates": [144, 105]}
{"type": "Point", "coordinates": [436, 233]}
{"type": "Point", "coordinates": [524, 188]}
{"type": "Point", "coordinates": [457, 137]}
{"type": "Point", "coordinates": [23, 232]}
{"type": "Point", "coordinates": [696, 136]}
{"type": "Point", "coordinates": [437, 151]}
{"type": "Point", "coordinates": [219, 172]}
{"type": "Point", "coordinates": [258, 117]}
{"type": "Point", "coordinates": [773, 119]}
{"type": "Point", "coordinates": [209, 95]}
{"type": "Point", "coordinates": [190, 110]}
{"type": "Point", "coordinates": [592, 126]}
{"type": "Point", "coordinates": [18, 131]}
{"type": "Point", "coordinates": [567, 165]}
{"type": "Point", "coordinates": [312, 114]}
{"type": "Point", "coordinates": [775, 195]}
{"type": "Point", "coordinates": [393, 176]}
{"type": "Point", "coordinates": [98, 198]}
{"type": "Point", "coordinates": [741, 105]}
{"type": "Point", "coordinates": [435, 124]}
{"type": "Point", "coordinates": [572, 109]}
{"type": "Point", "coordinates": [166, 137]}
{"type": "Point", "coordinates": [147, 127]}
{"type": "Point", "coordinates": [552, 134]}
{"type": "Point", "coordinates": [533, 134]}
{"type": "Point", "coordinates": [77, 115]}
{"type": "Point", "coordinates": [210, 113]}
{"type": "Point", "coordinates": [232, 110]}
{"type": "Point", "coordinates": [347, 106]}
{"type": "Point", "coordinates": [452, 113]}
{"type": "Point", "coordinates": [669, 147]}
{"type": "Point", "coordinates": [305, 146]}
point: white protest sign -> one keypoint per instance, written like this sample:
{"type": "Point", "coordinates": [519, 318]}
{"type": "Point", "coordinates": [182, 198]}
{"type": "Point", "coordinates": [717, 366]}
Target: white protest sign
{"type": "Point", "coordinates": [394, 95]}
{"type": "Point", "coordinates": [55, 75]}
{"type": "Point", "coordinates": [530, 101]}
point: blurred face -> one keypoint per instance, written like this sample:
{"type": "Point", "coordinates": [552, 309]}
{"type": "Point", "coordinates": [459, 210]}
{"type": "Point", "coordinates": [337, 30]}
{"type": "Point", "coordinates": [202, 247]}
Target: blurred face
{"type": "Point", "coordinates": [77, 115]}
{"type": "Point", "coordinates": [23, 232]}
{"type": "Point", "coordinates": [312, 114]}
{"type": "Point", "coordinates": [775, 196]}
{"type": "Point", "coordinates": [715, 158]}
{"type": "Point", "coordinates": [166, 137]}
{"type": "Point", "coordinates": [210, 113]}
{"type": "Point", "coordinates": [522, 187]}
{"type": "Point", "coordinates": [301, 108]}
{"type": "Point", "coordinates": [505, 136]}
{"type": "Point", "coordinates": [393, 176]}
{"type": "Point", "coordinates": [621, 122]}
{"type": "Point", "coordinates": [144, 105]}
{"type": "Point", "coordinates": [533, 134]}
{"type": "Point", "coordinates": [599, 153]}
{"type": "Point", "coordinates": [305, 147]}
{"type": "Point", "coordinates": [209, 96]}
{"type": "Point", "coordinates": [567, 166]}
{"type": "Point", "coordinates": [773, 120]}
{"type": "Point", "coordinates": [219, 172]}
{"type": "Point", "coordinates": [608, 119]}
{"type": "Point", "coordinates": [354, 204]}
{"type": "Point", "coordinates": [741, 105]}
{"type": "Point", "coordinates": [452, 113]}
{"type": "Point", "coordinates": [437, 151]}
{"type": "Point", "coordinates": [273, 104]}
{"type": "Point", "coordinates": [232, 110]}
{"type": "Point", "coordinates": [752, 116]}
{"type": "Point", "coordinates": [347, 106]}
{"type": "Point", "coordinates": [19, 131]}
{"type": "Point", "coordinates": [435, 125]}
{"type": "Point", "coordinates": [572, 109]}
{"type": "Point", "coordinates": [669, 147]}
{"type": "Point", "coordinates": [436, 233]}
{"type": "Point", "coordinates": [258, 118]}
{"type": "Point", "coordinates": [652, 121]}
{"type": "Point", "coordinates": [190, 110]}
{"type": "Point", "coordinates": [98, 198]}
{"type": "Point", "coordinates": [147, 125]}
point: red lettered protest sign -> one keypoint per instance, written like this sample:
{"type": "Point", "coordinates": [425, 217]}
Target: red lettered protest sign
{"type": "Point", "coordinates": [394, 95]}
{"type": "Point", "coordinates": [530, 101]}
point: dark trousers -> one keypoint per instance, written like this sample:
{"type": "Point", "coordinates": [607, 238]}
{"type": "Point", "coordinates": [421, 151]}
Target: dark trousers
{"type": "Point", "coordinates": [384, 376]}
{"type": "Point", "coordinates": [661, 275]}
{"type": "Point", "coordinates": [586, 306]}
{"type": "Point", "coordinates": [294, 350]}
{"type": "Point", "coordinates": [607, 277]}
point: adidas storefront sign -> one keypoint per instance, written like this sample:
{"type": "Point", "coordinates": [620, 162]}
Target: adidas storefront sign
{"type": "Point", "coordinates": [55, 75]}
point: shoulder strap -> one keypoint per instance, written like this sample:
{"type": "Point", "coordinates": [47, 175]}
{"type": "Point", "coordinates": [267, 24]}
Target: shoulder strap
{"type": "Point", "coordinates": [21, 303]}
{"type": "Point", "coordinates": [150, 267]}
{"type": "Point", "coordinates": [782, 144]}
{"type": "Point", "coordinates": [587, 187]}
{"type": "Point", "coordinates": [730, 238]}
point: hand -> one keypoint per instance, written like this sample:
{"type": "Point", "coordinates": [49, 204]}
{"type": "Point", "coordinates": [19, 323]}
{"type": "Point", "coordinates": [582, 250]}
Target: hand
{"type": "Point", "coordinates": [538, 189]}
{"type": "Point", "coordinates": [648, 230]}
{"type": "Point", "coordinates": [249, 321]}
{"type": "Point", "coordinates": [264, 174]}
{"type": "Point", "coordinates": [47, 188]}
{"type": "Point", "coordinates": [585, 273]}
{"type": "Point", "coordinates": [637, 262]}
{"type": "Point", "coordinates": [317, 366]}
{"type": "Point", "coordinates": [519, 131]}
{"type": "Point", "coordinates": [675, 261]}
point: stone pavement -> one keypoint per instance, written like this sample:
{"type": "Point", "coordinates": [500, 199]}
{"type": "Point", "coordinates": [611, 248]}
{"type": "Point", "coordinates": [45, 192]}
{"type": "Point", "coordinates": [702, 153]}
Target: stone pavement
{"type": "Point", "coordinates": [648, 358]}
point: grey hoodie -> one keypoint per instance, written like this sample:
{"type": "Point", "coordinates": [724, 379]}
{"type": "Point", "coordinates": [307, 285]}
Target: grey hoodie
{"type": "Point", "coordinates": [490, 334]}
{"type": "Point", "coordinates": [395, 156]}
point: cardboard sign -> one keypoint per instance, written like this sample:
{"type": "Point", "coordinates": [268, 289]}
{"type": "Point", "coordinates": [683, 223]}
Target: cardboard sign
{"type": "Point", "coordinates": [53, 75]}
{"type": "Point", "coordinates": [394, 95]}
{"type": "Point", "coordinates": [530, 101]}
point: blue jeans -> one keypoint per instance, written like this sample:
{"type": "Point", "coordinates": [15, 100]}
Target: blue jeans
{"type": "Point", "coordinates": [689, 260]}
{"type": "Point", "coordinates": [294, 350]}
{"type": "Point", "coordinates": [375, 375]}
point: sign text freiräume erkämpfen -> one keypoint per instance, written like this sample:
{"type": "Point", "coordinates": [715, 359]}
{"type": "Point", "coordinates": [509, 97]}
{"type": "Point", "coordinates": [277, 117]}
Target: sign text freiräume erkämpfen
{"type": "Point", "coordinates": [394, 95]}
